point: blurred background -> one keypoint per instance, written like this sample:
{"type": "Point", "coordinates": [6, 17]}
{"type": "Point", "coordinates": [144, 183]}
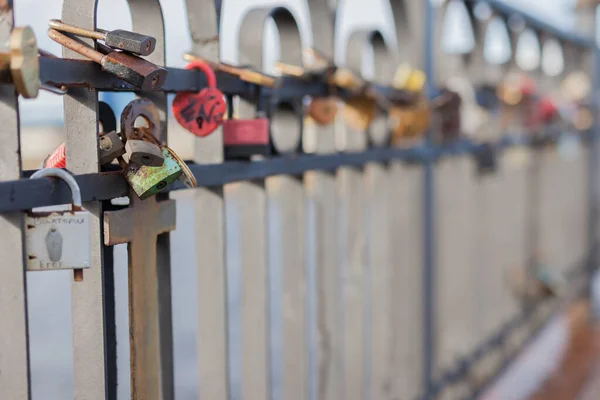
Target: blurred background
{"type": "Point", "coordinates": [42, 119]}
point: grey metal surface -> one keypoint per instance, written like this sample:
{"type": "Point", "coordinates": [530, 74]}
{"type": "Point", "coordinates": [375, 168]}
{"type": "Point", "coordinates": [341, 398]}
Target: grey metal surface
{"type": "Point", "coordinates": [210, 227]}
{"type": "Point", "coordinates": [321, 192]}
{"type": "Point", "coordinates": [14, 340]}
{"type": "Point", "coordinates": [87, 297]}
{"type": "Point", "coordinates": [286, 197]}
{"type": "Point", "coordinates": [405, 215]}
{"type": "Point", "coordinates": [380, 285]}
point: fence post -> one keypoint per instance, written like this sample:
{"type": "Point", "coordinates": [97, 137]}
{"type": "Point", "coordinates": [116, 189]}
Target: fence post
{"type": "Point", "coordinates": [14, 338]}
{"type": "Point", "coordinates": [81, 128]}
{"type": "Point", "coordinates": [321, 192]}
{"type": "Point", "coordinates": [209, 209]}
{"type": "Point", "coordinates": [429, 312]}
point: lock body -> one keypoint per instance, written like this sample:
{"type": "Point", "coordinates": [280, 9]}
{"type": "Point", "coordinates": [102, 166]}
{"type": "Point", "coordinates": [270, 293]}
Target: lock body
{"type": "Point", "coordinates": [148, 181]}
{"type": "Point", "coordinates": [144, 153]}
{"type": "Point", "coordinates": [323, 110]}
{"type": "Point", "coordinates": [130, 41]}
{"type": "Point", "coordinates": [134, 70]}
{"type": "Point", "coordinates": [58, 240]}
{"type": "Point", "coordinates": [110, 146]}
{"type": "Point", "coordinates": [244, 138]}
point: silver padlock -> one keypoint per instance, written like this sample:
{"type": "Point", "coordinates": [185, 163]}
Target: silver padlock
{"type": "Point", "coordinates": [58, 239]}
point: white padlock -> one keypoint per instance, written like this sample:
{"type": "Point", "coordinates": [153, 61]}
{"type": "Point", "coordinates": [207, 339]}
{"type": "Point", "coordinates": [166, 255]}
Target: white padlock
{"type": "Point", "coordinates": [58, 239]}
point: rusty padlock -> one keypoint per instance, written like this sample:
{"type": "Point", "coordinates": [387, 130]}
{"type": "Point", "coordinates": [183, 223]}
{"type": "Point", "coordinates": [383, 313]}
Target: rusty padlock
{"type": "Point", "coordinates": [144, 148]}
{"type": "Point", "coordinates": [141, 152]}
{"type": "Point", "coordinates": [134, 70]}
{"type": "Point", "coordinates": [200, 113]}
{"type": "Point", "coordinates": [118, 39]}
{"type": "Point", "coordinates": [110, 143]}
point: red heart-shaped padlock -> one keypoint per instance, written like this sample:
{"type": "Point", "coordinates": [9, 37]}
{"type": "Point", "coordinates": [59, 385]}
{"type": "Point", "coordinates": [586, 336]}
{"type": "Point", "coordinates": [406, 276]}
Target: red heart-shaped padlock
{"type": "Point", "coordinates": [200, 113]}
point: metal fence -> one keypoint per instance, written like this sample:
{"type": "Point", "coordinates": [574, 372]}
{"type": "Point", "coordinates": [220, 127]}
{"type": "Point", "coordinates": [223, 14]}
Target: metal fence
{"type": "Point", "coordinates": [412, 246]}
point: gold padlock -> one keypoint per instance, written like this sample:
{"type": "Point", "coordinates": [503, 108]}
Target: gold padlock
{"type": "Point", "coordinates": [409, 79]}
{"type": "Point", "coordinates": [21, 65]}
{"type": "Point", "coordinates": [410, 121]}
{"type": "Point", "coordinates": [359, 112]}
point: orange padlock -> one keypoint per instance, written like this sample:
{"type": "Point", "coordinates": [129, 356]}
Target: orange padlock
{"type": "Point", "coordinates": [200, 113]}
{"type": "Point", "coordinates": [323, 110]}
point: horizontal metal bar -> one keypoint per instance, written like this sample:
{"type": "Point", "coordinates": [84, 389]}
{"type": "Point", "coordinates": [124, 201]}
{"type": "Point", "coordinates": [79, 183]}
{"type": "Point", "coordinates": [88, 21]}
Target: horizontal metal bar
{"type": "Point", "coordinates": [540, 24]}
{"type": "Point", "coordinates": [81, 73]}
{"type": "Point", "coordinates": [25, 194]}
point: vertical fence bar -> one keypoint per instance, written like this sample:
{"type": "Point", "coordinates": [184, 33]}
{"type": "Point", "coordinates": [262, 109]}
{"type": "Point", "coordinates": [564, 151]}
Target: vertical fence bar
{"type": "Point", "coordinates": [147, 18]}
{"type": "Point", "coordinates": [87, 296]}
{"type": "Point", "coordinates": [209, 225]}
{"type": "Point", "coordinates": [406, 227]}
{"type": "Point", "coordinates": [321, 191]}
{"type": "Point", "coordinates": [251, 200]}
{"type": "Point", "coordinates": [286, 194]}
{"type": "Point", "coordinates": [14, 339]}
{"type": "Point", "coordinates": [352, 254]}
{"type": "Point", "coordinates": [429, 300]}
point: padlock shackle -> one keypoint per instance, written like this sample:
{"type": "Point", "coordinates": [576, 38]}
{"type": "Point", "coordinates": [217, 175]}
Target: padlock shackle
{"type": "Point", "coordinates": [211, 78]}
{"type": "Point", "coordinates": [65, 176]}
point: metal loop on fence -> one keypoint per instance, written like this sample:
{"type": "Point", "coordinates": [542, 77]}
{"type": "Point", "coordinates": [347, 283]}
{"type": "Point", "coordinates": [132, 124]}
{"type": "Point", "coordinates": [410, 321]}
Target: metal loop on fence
{"type": "Point", "coordinates": [286, 132]}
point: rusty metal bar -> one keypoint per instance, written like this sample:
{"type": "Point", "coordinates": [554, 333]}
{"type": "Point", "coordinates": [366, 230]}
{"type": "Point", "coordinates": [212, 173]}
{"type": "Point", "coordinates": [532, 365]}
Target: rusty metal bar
{"type": "Point", "coordinates": [14, 340]}
{"type": "Point", "coordinates": [147, 18]}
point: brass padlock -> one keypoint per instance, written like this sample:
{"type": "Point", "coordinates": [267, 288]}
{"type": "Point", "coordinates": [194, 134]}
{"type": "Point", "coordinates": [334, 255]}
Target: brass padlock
{"type": "Point", "coordinates": [409, 122]}
{"type": "Point", "coordinates": [148, 181]}
{"type": "Point", "coordinates": [145, 153]}
{"type": "Point", "coordinates": [359, 112]}
{"type": "Point", "coordinates": [21, 64]}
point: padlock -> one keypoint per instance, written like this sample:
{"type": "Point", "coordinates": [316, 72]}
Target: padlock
{"type": "Point", "coordinates": [145, 148]}
{"type": "Point", "coordinates": [110, 144]}
{"type": "Point", "coordinates": [446, 107]}
{"type": "Point", "coordinates": [21, 64]}
{"type": "Point", "coordinates": [58, 239]}
{"type": "Point", "coordinates": [134, 70]}
{"type": "Point", "coordinates": [486, 97]}
{"type": "Point", "coordinates": [110, 147]}
{"type": "Point", "coordinates": [200, 113]}
{"type": "Point", "coordinates": [148, 181]}
{"type": "Point", "coordinates": [378, 131]}
{"type": "Point", "coordinates": [244, 138]}
{"type": "Point", "coordinates": [323, 110]}
{"type": "Point", "coordinates": [359, 112]}
{"type": "Point", "coordinates": [145, 153]}
{"type": "Point", "coordinates": [119, 39]}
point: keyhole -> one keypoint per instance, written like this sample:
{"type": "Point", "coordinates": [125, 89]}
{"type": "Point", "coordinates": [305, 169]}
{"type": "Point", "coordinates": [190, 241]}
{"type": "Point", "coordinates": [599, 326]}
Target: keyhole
{"type": "Point", "coordinates": [145, 159]}
{"type": "Point", "coordinates": [161, 185]}
{"type": "Point", "coordinates": [200, 122]}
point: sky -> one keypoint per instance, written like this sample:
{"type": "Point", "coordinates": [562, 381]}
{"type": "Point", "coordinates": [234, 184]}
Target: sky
{"type": "Point", "coordinates": [113, 14]}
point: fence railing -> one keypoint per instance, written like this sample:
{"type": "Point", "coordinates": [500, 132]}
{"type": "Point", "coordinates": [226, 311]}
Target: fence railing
{"type": "Point", "coordinates": [402, 271]}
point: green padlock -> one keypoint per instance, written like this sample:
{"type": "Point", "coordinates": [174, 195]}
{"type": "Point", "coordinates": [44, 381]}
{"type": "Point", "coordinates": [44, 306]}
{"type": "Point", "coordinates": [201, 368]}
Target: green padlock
{"type": "Point", "coordinates": [147, 181]}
